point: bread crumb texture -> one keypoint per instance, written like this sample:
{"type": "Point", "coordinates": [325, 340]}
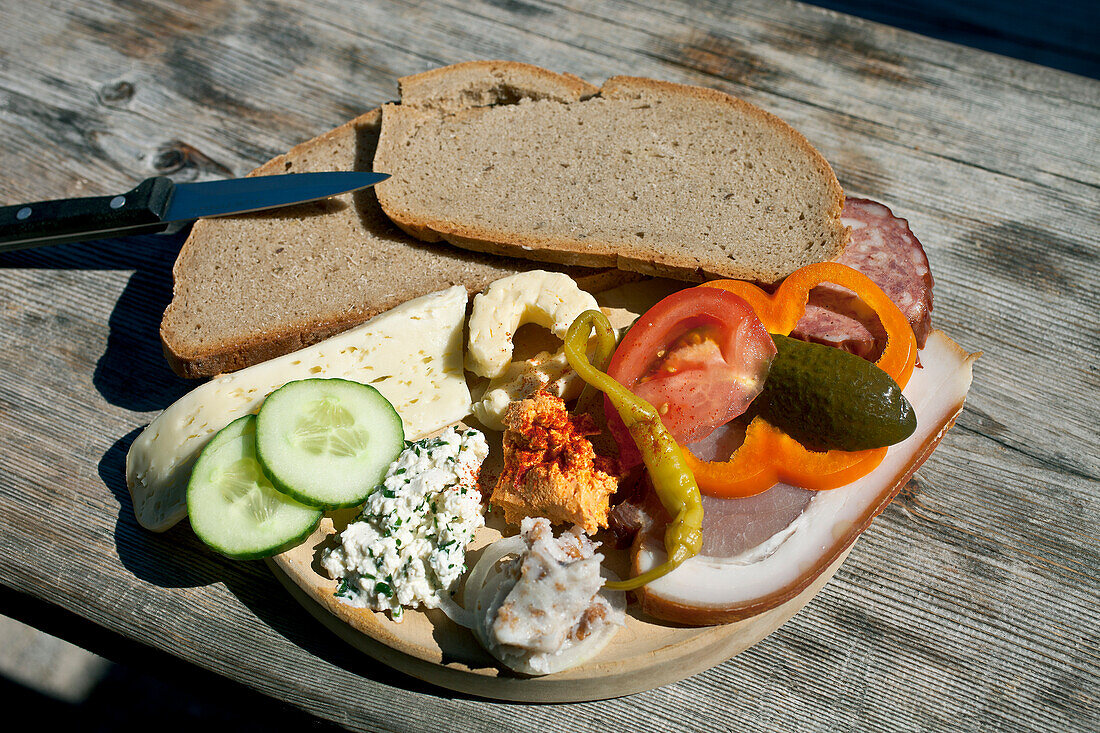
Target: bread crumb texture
{"type": "Point", "coordinates": [649, 176]}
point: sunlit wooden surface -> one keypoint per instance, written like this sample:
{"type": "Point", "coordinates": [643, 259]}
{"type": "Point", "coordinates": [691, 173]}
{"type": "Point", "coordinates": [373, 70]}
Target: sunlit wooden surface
{"type": "Point", "coordinates": [970, 604]}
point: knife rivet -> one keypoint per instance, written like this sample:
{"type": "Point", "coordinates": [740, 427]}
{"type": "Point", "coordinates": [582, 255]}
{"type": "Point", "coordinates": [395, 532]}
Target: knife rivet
{"type": "Point", "coordinates": [23, 213]}
{"type": "Point", "coordinates": [118, 202]}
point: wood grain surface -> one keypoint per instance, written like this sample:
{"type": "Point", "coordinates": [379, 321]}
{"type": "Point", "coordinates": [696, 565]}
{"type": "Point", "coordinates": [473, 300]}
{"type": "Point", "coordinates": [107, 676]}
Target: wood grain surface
{"type": "Point", "coordinates": [971, 604]}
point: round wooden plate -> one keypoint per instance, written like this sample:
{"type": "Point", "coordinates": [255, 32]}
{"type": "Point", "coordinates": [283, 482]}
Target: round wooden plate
{"type": "Point", "coordinates": [644, 654]}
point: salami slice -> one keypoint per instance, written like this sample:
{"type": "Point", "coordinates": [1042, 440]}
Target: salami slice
{"type": "Point", "coordinates": [884, 249]}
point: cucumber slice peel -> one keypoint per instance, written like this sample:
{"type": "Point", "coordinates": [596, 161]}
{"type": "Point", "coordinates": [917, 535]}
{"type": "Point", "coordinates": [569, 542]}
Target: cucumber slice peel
{"type": "Point", "coordinates": [327, 442]}
{"type": "Point", "coordinates": [232, 504]}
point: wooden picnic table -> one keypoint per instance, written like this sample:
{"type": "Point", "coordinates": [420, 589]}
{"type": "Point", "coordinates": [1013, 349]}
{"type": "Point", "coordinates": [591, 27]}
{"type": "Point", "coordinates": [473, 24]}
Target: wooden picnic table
{"type": "Point", "coordinates": [971, 603]}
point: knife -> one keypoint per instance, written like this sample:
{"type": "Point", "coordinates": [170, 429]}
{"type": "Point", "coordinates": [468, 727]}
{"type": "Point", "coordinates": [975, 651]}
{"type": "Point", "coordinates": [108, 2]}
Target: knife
{"type": "Point", "coordinates": [158, 205]}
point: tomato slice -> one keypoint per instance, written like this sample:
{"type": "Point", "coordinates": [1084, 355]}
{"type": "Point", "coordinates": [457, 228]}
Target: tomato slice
{"type": "Point", "coordinates": [699, 356]}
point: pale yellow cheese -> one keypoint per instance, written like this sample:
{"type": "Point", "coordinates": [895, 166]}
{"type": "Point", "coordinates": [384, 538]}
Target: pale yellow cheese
{"type": "Point", "coordinates": [411, 354]}
{"type": "Point", "coordinates": [550, 299]}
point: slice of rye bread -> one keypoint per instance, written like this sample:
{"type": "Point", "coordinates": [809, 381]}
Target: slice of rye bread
{"type": "Point", "coordinates": [250, 288]}
{"type": "Point", "coordinates": [650, 176]}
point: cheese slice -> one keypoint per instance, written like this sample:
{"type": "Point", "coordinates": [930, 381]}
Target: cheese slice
{"type": "Point", "coordinates": [553, 300]}
{"type": "Point", "coordinates": [411, 354]}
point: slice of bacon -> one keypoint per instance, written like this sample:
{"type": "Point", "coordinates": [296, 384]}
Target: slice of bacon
{"type": "Point", "coordinates": [760, 552]}
{"type": "Point", "coordinates": [884, 249]}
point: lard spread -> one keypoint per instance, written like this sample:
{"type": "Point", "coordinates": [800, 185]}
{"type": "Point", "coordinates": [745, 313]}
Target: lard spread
{"type": "Point", "coordinates": [548, 613]}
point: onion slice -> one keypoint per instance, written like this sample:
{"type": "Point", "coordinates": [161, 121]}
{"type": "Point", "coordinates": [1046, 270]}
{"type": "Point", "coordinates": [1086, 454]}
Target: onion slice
{"type": "Point", "coordinates": [711, 590]}
{"type": "Point", "coordinates": [490, 556]}
{"type": "Point", "coordinates": [457, 613]}
{"type": "Point", "coordinates": [474, 590]}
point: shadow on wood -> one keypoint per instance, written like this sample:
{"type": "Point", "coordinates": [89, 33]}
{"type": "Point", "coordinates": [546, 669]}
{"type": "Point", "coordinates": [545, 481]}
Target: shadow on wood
{"type": "Point", "coordinates": [173, 559]}
{"type": "Point", "coordinates": [132, 372]}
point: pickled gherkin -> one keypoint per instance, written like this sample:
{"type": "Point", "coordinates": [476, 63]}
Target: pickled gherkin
{"type": "Point", "coordinates": [828, 399]}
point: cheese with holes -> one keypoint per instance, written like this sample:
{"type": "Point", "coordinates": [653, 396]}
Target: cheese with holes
{"type": "Point", "coordinates": [411, 354]}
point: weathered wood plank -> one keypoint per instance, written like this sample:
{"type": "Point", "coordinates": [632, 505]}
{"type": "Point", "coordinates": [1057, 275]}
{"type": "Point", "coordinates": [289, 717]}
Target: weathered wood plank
{"type": "Point", "coordinates": [972, 602]}
{"type": "Point", "coordinates": [1063, 40]}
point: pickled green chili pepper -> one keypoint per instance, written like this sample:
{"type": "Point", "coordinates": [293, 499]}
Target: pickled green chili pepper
{"type": "Point", "coordinates": [663, 458]}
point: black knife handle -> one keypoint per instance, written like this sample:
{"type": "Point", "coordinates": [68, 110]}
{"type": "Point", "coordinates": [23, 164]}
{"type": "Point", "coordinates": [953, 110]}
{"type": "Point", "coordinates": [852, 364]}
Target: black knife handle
{"type": "Point", "coordinates": [139, 211]}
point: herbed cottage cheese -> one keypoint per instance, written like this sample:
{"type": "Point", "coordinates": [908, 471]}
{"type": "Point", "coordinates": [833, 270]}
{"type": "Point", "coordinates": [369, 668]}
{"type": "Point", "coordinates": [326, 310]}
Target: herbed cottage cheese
{"type": "Point", "coordinates": [409, 544]}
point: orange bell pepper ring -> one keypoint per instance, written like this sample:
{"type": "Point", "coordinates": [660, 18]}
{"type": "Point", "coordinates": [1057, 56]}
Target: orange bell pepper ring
{"type": "Point", "coordinates": [779, 312]}
{"type": "Point", "coordinates": [769, 455]}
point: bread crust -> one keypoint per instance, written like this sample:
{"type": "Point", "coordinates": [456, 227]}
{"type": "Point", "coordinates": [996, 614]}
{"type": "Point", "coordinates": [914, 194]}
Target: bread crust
{"type": "Point", "coordinates": [231, 356]}
{"type": "Point", "coordinates": [460, 85]}
{"type": "Point", "coordinates": [400, 121]}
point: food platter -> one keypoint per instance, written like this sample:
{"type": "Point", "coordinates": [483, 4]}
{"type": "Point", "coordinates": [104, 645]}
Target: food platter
{"type": "Point", "coordinates": [646, 653]}
{"type": "Point", "coordinates": [717, 404]}
{"type": "Point", "coordinates": [643, 655]}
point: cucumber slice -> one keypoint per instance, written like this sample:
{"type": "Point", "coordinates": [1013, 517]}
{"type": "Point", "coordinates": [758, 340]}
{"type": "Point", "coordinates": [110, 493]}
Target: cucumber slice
{"type": "Point", "coordinates": [232, 504]}
{"type": "Point", "coordinates": [327, 442]}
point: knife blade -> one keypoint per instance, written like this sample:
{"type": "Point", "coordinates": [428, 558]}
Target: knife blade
{"type": "Point", "coordinates": [158, 205]}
